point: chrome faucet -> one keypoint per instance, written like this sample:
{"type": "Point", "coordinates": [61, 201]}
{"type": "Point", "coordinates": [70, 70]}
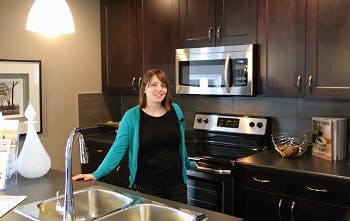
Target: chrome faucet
{"type": "Point", "coordinates": [68, 186]}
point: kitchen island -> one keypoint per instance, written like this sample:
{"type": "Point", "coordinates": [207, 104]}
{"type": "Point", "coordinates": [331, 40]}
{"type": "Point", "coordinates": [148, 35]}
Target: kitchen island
{"type": "Point", "coordinates": [47, 186]}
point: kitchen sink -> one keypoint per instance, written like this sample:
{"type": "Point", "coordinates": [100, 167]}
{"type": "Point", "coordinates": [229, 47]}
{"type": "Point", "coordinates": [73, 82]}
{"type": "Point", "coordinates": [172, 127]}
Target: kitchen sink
{"type": "Point", "coordinates": [153, 212]}
{"type": "Point", "coordinates": [99, 203]}
{"type": "Point", "coordinates": [89, 204]}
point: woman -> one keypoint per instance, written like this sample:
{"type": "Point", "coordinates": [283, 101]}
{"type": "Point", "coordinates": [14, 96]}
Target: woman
{"type": "Point", "coordinates": [154, 133]}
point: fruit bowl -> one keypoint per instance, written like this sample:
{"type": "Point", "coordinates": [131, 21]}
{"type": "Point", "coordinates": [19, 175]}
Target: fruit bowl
{"type": "Point", "coordinates": [288, 146]}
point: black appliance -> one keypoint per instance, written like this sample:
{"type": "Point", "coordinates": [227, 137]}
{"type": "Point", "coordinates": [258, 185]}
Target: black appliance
{"type": "Point", "coordinates": [216, 142]}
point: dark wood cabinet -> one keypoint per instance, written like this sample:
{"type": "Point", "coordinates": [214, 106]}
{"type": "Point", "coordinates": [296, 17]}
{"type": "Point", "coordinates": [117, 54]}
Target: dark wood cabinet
{"type": "Point", "coordinates": [273, 206]}
{"type": "Point", "coordinates": [98, 141]}
{"type": "Point", "coordinates": [304, 48]}
{"type": "Point", "coordinates": [97, 151]}
{"type": "Point", "coordinates": [137, 35]}
{"type": "Point", "coordinates": [120, 66]}
{"type": "Point", "coordinates": [280, 195]}
{"type": "Point", "coordinates": [328, 48]}
{"type": "Point", "coordinates": [217, 22]}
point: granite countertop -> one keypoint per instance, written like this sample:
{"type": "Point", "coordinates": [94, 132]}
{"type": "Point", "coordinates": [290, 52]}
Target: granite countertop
{"type": "Point", "coordinates": [305, 164]}
{"type": "Point", "coordinates": [46, 187]}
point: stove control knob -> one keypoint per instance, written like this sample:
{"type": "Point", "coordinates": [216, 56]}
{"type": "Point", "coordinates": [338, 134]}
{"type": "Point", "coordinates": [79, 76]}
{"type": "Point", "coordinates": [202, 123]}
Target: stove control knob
{"type": "Point", "coordinates": [259, 125]}
{"type": "Point", "coordinates": [199, 120]}
{"type": "Point", "coordinates": [251, 124]}
{"type": "Point", "coordinates": [205, 120]}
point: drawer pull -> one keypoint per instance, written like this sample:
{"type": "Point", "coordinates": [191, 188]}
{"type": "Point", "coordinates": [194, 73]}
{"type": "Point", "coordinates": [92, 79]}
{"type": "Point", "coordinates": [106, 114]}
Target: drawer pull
{"type": "Point", "coordinates": [97, 151]}
{"type": "Point", "coordinates": [316, 190]}
{"type": "Point", "coordinates": [261, 181]}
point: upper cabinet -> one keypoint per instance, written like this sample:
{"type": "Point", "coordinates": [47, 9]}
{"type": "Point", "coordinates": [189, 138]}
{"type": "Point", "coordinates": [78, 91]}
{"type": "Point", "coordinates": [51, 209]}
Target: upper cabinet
{"type": "Point", "coordinates": [304, 48]}
{"type": "Point", "coordinates": [137, 35]}
{"type": "Point", "coordinates": [217, 22]}
{"type": "Point", "coordinates": [119, 49]}
{"type": "Point", "coordinates": [328, 49]}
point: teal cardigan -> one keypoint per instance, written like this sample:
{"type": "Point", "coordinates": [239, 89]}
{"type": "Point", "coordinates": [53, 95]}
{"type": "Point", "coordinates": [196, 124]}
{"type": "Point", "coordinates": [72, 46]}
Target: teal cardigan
{"type": "Point", "coordinates": [128, 136]}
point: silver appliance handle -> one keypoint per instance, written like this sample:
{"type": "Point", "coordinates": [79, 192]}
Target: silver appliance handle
{"type": "Point", "coordinates": [227, 60]}
{"type": "Point", "coordinates": [216, 171]}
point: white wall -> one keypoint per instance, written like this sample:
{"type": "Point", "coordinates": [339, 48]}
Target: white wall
{"type": "Point", "coordinates": [70, 65]}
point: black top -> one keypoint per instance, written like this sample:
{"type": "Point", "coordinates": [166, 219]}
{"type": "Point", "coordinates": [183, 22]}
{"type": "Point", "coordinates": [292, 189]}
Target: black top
{"type": "Point", "coordinates": [158, 157]}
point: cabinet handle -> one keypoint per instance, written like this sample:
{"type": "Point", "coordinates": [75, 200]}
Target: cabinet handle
{"type": "Point", "coordinates": [279, 208]}
{"type": "Point", "coordinates": [140, 80]}
{"type": "Point", "coordinates": [310, 82]}
{"type": "Point", "coordinates": [316, 190]}
{"type": "Point", "coordinates": [210, 34]}
{"type": "Point", "coordinates": [298, 81]}
{"type": "Point", "coordinates": [292, 211]}
{"type": "Point", "coordinates": [96, 151]}
{"type": "Point", "coordinates": [218, 33]}
{"type": "Point", "coordinates": [261, 181]}
{"type": "Point", "coordinates": [133, 83]}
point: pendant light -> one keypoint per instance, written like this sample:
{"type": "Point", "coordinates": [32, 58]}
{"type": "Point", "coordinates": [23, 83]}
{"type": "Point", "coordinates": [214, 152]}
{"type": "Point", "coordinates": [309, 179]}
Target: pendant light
{"type": "Point", "coordinates": [50, 18]}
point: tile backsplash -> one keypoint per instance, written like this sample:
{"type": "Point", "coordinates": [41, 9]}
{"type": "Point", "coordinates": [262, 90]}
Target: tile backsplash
{"type": "Point", "coordinates": [291, 115]}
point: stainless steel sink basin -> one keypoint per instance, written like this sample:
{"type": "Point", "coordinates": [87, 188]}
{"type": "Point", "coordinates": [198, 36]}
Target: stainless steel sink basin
{"type": "Point", "coordinates": [153, 212]}
{"type": "Point", "coordinates": [90, 203]}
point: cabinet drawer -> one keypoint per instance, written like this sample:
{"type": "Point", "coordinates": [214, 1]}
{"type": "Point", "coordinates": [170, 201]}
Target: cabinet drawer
{"type": "Point", "coordinates": [261, 179]}
{"type": "Point", "coordinates": [320, 188]}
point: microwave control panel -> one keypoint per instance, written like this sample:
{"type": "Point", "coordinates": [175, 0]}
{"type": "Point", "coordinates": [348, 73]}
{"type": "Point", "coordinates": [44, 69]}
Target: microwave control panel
{"type": "Point", "coordinates": [240, 72]}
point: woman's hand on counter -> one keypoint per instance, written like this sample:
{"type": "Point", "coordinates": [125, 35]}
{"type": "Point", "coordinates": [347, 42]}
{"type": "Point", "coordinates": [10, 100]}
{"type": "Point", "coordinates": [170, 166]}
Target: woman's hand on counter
{"type": "Point", "coordinates": [86, 177]}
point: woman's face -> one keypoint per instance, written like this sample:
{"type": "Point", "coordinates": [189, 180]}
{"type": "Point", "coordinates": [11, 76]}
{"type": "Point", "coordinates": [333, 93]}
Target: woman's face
{"type": "Point", "coordinates": [155, 90]}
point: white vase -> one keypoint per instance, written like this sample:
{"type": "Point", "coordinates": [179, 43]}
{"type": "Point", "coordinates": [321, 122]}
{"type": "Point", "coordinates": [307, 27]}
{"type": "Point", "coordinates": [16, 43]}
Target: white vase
{"type": "Point", "coordinates": [33, 161]}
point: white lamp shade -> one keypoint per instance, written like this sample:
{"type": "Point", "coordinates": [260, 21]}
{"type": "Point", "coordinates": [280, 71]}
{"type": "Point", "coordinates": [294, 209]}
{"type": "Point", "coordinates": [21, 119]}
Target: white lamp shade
{"type": "Point", "coordinates": [50, 17]}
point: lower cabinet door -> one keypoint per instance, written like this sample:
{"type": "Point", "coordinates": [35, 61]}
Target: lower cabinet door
{"type": "Point", "coordinates": [260, 205]}
{"type": "Point", "coordinates": [314, 210]}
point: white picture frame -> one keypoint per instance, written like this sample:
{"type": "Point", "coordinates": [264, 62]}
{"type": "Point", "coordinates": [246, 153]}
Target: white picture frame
{"type": "Point", "coordinates": [20, 83]}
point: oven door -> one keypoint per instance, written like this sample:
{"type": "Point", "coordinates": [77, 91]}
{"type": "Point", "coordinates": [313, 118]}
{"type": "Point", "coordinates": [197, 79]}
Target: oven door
{"type": "Point", "coordinates": [226, 70]}
{"type": "Point", "coordinates": [210, 191]}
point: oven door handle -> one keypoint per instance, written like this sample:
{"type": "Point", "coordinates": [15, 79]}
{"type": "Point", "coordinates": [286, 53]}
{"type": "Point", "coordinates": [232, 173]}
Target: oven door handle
{"type": "Point", "coordinates": [215, 171]}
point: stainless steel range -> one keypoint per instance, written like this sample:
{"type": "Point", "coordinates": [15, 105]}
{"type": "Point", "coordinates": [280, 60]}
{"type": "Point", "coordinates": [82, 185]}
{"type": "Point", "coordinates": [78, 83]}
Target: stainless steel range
{"type": "Point", "coordinates": [215, 143]}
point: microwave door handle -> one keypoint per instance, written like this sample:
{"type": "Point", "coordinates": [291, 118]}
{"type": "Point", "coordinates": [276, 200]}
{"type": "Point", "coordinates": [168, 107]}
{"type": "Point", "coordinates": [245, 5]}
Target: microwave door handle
{"type": "Point", "coordinates": [227, 60]}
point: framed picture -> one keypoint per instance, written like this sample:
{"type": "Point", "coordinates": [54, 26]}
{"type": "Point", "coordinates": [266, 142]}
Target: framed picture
{"type": "Point", "coordinates": [20, 84]}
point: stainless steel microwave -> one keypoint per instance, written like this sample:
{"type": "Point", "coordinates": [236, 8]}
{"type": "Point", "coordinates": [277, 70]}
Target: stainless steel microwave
{"type": "Point", "coordinates": [224, 70]}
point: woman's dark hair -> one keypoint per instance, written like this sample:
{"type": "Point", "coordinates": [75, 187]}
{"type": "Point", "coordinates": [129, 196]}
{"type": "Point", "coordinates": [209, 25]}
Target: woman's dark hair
{"type": "Point", "coordinates": [147, 76]}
